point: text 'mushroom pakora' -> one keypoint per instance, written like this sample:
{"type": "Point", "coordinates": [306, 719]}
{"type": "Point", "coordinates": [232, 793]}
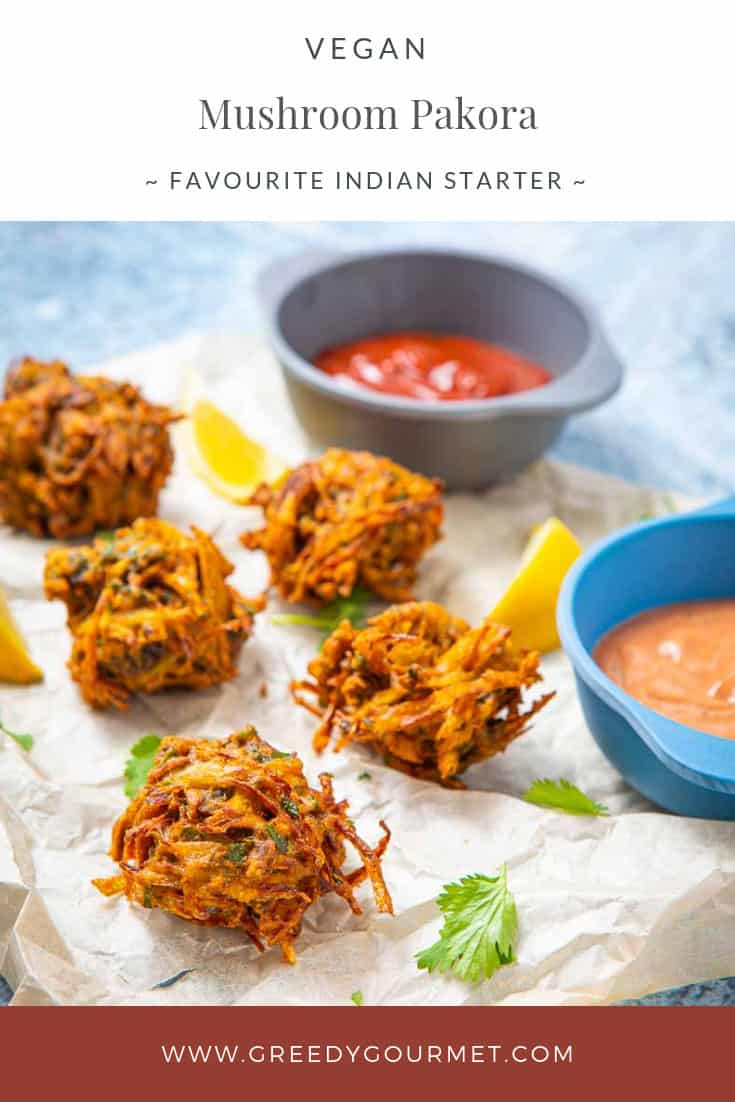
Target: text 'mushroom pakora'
{"type": "Point", "coordinates": [345, 520]}
{"type": "Point", "coordinates": [420, 686]}
{"type": "Point", "coordinates": [148, 609]}
{"type": "Point", "coordinates": [78, 453]}
{"type": "Point", "coordinates": [229, 833]}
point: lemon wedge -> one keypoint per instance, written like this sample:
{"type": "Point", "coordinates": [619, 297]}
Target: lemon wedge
{"type": "Point", "coordinates": [528, 606]}
{"type": "Point", "coordinates": [16, 664]}
{"type": "Point", "coordinates": [218, 450]}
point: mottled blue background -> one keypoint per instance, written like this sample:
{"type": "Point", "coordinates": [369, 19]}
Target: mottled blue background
{"type": "Point", "coordinates": [666, 292]}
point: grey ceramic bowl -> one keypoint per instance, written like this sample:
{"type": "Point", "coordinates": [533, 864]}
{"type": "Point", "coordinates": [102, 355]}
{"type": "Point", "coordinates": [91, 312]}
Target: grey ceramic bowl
{"type": "Point", "coordinates": [314, 302]}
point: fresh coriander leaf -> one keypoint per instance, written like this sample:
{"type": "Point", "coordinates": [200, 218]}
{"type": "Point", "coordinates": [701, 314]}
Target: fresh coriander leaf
{"type": "Point", "coordinates": [281, 842]}
{"type": "Point", "coordinates": [237, 852]}
{"type": "Point", "coordinates": [480, 924]}
{"type": "Point", "coordinates": [301, 618]}
{"type": "Point", "coordinates": [105, 535]}
{"type": "Point", "coordinates": [140, 763]}
{"type": "Point", "coordinates": [270, 755]}
{"type": "Point", "coordinates": [290, 807]}
{"type": "Point", "coordinates": [352, 608]}
{"type": "Point", "coordinates": [172, 979]}
{"type": "Point", "coordinates": [357, 998]}
{"type": "Point", "coordinates": [564, 796]}
{"type": "Point", "coordinates": [364, 776]}
{"type": "Point", "coordinates": [24, 741]}
{"type": "Point", "coordinates": [191, 834]}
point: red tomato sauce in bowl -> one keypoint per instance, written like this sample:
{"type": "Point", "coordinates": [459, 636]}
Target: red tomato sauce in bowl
{"type": "Point", "coordinates": [432, 367]}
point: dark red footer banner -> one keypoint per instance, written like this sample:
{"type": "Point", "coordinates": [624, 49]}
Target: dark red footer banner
{"type": "Point", "coordinates": [115, 1053]}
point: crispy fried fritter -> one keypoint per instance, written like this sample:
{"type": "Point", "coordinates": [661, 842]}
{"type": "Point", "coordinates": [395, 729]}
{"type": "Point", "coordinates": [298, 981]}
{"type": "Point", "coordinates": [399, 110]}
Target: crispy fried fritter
{"type": "Point", "coordinates": [431, 694]}
{"type": "Point", "coordinates": [228, 833]}
{"type": "Point", "coordinates": [346, 519]}
{"type": "Point", "coordinates": [78, 453]}
{"type": "Point", "coordinates": [149, 609]}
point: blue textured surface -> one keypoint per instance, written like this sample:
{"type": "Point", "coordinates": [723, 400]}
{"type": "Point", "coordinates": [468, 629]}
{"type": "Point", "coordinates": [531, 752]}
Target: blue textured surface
{"type": "Point", "coordinates": [665, 292]}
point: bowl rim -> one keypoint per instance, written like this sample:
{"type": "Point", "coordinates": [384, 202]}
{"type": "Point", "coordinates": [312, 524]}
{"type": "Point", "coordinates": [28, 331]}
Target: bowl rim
{"type": "Point", "coordinates": [596, 375]}
{"type": "Point", "coordinates": [708, 760]}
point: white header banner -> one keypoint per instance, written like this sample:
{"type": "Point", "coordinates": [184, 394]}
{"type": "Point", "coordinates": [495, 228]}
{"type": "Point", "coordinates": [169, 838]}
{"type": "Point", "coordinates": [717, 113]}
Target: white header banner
{"type": "Point", "coordinates": [293, 111]}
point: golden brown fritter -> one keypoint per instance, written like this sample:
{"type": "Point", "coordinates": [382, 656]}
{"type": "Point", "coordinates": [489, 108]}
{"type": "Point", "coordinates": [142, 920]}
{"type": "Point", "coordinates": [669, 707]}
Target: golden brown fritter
{"type": "Point", "coordinates": [228, 833]}
{"type": "Point", "coordinates": [149, 609]}
{"type": "Point", "coordinates": [428, 692]}
{"type": "Point", "coordinates": [346, 519]}
{"type": "Point", "coordinates": [78, 453]}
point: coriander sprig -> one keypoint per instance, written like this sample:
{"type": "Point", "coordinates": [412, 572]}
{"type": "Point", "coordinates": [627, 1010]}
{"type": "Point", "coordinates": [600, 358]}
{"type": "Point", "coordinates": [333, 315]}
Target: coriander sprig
{"type": "Point", "coordinates": [564, 796]}
{"type": "Point", "coordinates": [140, 763]}
{"type": "Point", "coordinates": [480, 925]}
{"type": "Point", "coordinates": [331, 615]}
{"type": "Point", "coordinates": [24, 741]}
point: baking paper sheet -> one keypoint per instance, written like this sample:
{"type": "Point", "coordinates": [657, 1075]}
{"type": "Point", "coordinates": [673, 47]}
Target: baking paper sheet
{"type": "Point", "coordinates": [609, 908]}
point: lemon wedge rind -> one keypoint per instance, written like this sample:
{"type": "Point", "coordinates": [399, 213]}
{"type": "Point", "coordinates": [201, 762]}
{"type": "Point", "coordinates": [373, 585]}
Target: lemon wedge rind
{"type": "Point", "coordinates": [218, 451]}
{"type": "Point", "coordinates": [528, 606]}
{"type": "Point", "coordinates": [16, 665]}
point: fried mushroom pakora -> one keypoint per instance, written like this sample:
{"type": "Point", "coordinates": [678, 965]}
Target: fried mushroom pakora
{"type": "Point", "coordinates": [78, 453]}
{"type": "Point", "coordinates": [229, 833]}
{"type": "Point", "coordinates": [420, 686]}
{"type": "Point", "coordinates": [149, 609]}
{"type": "Point", "coordinates": [347, 519]}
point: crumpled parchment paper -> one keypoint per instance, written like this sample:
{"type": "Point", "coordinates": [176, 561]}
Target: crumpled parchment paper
{"type": "Point", "coordinates": [609, 908]}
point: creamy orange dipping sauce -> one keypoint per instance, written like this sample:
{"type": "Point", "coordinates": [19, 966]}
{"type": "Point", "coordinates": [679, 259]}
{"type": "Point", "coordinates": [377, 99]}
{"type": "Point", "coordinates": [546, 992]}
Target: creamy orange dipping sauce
{"type": "Point", "coordinates": [679, 660]}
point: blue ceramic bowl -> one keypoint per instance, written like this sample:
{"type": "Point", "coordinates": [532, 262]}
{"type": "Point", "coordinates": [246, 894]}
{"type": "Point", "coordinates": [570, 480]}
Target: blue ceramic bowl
{"type": "Point", "coordinates": [677, 558]}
